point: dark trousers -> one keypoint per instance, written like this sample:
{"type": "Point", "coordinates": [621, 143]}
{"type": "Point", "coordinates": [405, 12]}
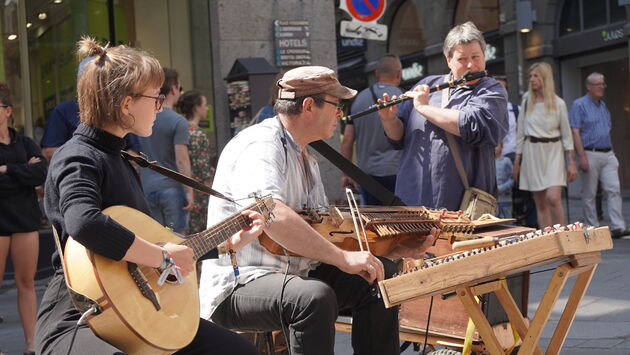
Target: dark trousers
{"type": "Point", "coordinates": [388, 181]}
{"type": "Point", "coordinates": [57, 317]}
{"type": "Point", "coordinates": [309, 309]}
{"type": "Point", "coordinates": [523, 205]}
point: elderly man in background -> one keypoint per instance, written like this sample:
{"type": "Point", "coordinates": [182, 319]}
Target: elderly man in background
{"type": "Point", "coordinates": [591, 124]}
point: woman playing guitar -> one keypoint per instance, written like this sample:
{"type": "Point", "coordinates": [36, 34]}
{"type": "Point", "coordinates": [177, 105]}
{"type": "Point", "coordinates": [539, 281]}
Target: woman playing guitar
{"type": "Point", "coordinates": [119, 93]}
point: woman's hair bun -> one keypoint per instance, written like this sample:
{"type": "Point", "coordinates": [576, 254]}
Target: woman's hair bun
{"type": "Point", "coordinates": [88, 47]}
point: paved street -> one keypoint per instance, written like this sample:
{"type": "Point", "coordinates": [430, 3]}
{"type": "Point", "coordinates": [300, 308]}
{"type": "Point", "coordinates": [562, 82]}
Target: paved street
{"type": "Point", "coordinates": [601, 326]}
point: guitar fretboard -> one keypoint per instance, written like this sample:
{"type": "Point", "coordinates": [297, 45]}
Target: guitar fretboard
{"type": "Point", "coordinates": [202, 242]}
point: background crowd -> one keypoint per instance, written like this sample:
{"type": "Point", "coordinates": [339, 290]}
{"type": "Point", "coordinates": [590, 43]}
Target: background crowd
{"type": "Point", "coordinates": [545, 145]}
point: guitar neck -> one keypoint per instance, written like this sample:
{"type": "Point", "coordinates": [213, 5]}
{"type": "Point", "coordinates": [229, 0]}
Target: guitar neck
{"type": "Point", "coordinates": [209, 239]}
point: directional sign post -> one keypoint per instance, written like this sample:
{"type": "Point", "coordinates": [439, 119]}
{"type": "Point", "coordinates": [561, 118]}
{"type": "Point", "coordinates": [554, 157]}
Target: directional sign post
{"type": "Point", "coordinates": [293, 45]}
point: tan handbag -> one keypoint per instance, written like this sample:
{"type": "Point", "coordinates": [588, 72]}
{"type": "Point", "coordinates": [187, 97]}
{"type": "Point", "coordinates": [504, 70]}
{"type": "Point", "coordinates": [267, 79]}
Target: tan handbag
{"type": "Point", "coordinates": [475, 202]}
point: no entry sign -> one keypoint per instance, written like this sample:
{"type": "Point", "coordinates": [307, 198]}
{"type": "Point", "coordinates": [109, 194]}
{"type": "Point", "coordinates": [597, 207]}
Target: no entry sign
{"type": "Point", "coordinates": [365, 10]}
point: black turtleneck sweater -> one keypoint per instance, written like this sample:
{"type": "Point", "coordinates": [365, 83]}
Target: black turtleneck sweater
{"type": "Point", "coordinates": [86, 175]}
{"type": "Point", "coordinates": [19, 210]}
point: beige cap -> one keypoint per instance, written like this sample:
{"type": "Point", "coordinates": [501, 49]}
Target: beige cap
{"type": "Point", "coordinates": [311, 80]}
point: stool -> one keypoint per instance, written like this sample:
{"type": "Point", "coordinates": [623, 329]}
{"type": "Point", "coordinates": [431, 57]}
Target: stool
{"type": "Point", "coordinates": [265, 341]}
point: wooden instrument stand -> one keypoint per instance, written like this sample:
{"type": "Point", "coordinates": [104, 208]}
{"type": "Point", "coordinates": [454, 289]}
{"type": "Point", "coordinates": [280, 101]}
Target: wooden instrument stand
{"type": "Point", "coordinates": [582, 265]}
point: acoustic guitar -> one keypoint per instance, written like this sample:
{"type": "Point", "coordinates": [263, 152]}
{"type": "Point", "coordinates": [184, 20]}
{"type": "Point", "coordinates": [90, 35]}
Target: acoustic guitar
{"type": "Point", "coordinates": [136, 315]}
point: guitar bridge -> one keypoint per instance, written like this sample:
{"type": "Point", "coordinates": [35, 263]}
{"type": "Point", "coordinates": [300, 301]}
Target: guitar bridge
{"type": "Point", "coordinates": [143, 284]}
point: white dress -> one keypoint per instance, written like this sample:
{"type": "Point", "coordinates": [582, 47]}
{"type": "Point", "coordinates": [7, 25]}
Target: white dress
{"type": "Point", "coordinates": [543, 164]}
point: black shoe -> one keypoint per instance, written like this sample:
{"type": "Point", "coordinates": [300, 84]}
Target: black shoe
{"type": "Point", "coordinates": [618, 233]}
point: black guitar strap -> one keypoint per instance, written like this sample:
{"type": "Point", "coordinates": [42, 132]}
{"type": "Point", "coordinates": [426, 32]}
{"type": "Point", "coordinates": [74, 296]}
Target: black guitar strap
{"type": "Point", "coordinates": [375, 188]}
{"type": "Point", "coordinates": [81, 302]}
{"type": "Point", "coordinates": [372, 186]}
{"type": "Point", "coordinates": [143, 162]}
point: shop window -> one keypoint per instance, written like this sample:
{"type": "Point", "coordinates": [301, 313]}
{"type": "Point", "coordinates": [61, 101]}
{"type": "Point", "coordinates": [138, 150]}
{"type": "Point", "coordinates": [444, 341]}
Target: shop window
{"type": "Point", "coordinates": [581, 15]}
{"type": "Point", "coordinates": [10, 60]}
{"type": "Point", "coordinates": [570, 19]}
{"type": "Point", "coordinates": [483, 13]}
{"type": "Point", "coordinates": [406, 35]}
{"type": "Point", "coordinates": [53, 32]}
{"type": "Point", "coordinates": [596, 13]}
{"type": "Point", "coordinates": [617, 12]}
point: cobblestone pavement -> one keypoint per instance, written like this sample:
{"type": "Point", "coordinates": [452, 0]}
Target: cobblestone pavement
{"type": "Point", "coordinates": [601, 326]}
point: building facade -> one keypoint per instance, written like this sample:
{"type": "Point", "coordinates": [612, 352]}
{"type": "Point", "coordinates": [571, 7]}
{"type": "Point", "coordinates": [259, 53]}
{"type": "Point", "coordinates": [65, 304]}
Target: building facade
{"type": "Point", "coordinates": [203, 39]}
{"type": "Point", "coordinates": [576, 37]}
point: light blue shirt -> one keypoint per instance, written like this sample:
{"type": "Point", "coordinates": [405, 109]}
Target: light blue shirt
{"type": "Point", "coordinates": [593, 120]}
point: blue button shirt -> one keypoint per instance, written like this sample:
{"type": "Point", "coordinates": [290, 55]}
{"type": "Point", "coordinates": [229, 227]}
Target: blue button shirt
{"type": "Point", "coordinates": [64, 120]}
{"type": "Point", "coordinates": [593, 121]}
{"type": "Point", "coordinates": [427, 175]}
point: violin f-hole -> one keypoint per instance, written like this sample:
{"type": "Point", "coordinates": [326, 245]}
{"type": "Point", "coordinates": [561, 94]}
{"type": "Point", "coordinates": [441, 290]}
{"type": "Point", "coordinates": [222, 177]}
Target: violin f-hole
{"type": "Point", "coordinates": [339, 232]}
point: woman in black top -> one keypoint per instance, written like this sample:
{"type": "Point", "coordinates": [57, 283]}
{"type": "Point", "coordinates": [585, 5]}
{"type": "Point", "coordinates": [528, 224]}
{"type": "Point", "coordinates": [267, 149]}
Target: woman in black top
{"type": "Point", "coordinates": [22, 168]}
{"type": "Point", "coordinates": [118, 94]}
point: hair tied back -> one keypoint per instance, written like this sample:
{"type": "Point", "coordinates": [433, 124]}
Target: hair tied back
{"type": "Point", "coordinates": [88, 47]}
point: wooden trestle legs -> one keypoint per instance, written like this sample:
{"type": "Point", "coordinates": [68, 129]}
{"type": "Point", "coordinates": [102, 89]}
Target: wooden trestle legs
{"type": "Point", "coordinates": [583, 269]}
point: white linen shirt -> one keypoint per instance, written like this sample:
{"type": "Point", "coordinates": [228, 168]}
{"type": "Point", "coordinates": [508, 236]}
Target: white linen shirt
{"type": "Point", "coordinates": [264, 159]}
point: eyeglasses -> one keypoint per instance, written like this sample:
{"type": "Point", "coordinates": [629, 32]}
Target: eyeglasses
{"type": "Point", "coordinates": [339, 106]}
{"type": "Point", "coordinates": [598, 84]}
{"type": "Point", "coordinates": [159, 100]}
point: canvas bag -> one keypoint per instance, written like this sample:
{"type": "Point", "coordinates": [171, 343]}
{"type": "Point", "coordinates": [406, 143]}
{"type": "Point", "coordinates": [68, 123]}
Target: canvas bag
{"type": "Point", "coordinates": [475, 202]}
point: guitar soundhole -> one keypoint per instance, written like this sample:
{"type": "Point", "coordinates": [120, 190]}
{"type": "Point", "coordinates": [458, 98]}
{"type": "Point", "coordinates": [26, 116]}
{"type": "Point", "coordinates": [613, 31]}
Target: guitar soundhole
{"type": "Point", "coordinates": [170, 279]}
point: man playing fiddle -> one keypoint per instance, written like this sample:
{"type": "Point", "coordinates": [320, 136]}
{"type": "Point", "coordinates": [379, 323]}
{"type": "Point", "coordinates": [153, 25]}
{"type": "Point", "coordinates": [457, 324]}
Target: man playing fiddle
{"type": "Point", "coordinates": [301, 295]}
{"type": "Point", "coordinates": [475, 114]}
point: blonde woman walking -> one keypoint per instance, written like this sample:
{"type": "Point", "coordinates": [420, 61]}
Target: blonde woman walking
{"type": "Point", "coordinates": [544, 143]}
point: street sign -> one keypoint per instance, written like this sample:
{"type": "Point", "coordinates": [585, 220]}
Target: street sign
{"type": "Point", "coordinates": [364, 10]}
{"type": "Point", "coordinates": [293, 46]}
{"type": "Point", "coordinates": [364, 15]}
{"type": "Point", "coordinates": [356, 29]}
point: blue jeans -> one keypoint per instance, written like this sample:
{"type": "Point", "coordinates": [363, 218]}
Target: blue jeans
{"type": "Point", "coordinates": [505, 209]}
{"type": "Point", "coordinates": [166, 208]}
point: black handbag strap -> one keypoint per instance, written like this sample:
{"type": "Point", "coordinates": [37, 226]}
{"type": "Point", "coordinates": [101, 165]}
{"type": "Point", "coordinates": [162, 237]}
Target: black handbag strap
{"type": "Point", "coordinates": [143, 162]}
{"type": "Point", "coordinates": [355, 173]}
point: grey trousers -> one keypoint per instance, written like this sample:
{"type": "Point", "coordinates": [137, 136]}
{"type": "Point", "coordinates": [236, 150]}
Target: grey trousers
{"type": "Point", "coordinates": [603, 167]}
{"type": "Point", "coordinates": [309, 309]}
